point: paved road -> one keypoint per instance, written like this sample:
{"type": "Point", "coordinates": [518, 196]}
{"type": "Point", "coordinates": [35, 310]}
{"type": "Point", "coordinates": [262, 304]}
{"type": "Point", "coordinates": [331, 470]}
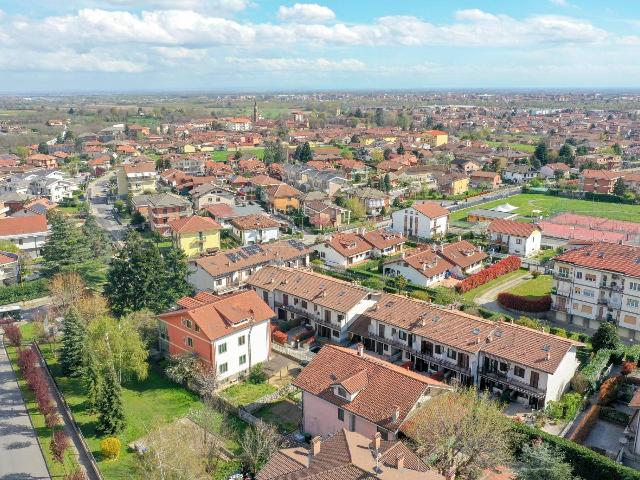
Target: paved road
{"type": "Point", "coordinates": [488, 298]}
{"type": "Point", "coordinates": [102, 210]}
{"type": "Point", "coordinates": [20, 455]}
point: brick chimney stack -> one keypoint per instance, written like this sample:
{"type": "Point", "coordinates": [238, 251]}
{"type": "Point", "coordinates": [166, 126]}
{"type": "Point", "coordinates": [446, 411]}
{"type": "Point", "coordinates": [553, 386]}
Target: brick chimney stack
{"type": "Point", "coordinates": [360, 349]}
{"type": "Point", "coordinates": [400, 461]}
{"type": "Point", "coordinates": [376, 441]}
{"type": "Point", "coordinates": [316, 443]}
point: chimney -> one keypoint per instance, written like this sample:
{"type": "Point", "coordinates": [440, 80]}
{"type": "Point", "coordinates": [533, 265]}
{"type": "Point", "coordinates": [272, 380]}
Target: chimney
{"type": "Point", "coordinates": [316, 443]}
{"type": "Point", "coordinates": [400, 461]}
{"type": "Point", "coordinates": [376, 441]}
{"type": "Point", "coordinates": [548, 356]}
{"type": "Point", "coordinates": [396, 413]}
{"type": "Point", "coordinates": [360, 349]}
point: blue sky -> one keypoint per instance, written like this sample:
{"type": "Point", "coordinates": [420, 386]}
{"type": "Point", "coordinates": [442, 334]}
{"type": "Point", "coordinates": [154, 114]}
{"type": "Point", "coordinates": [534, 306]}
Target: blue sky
{"type": "Point", "coordinates": [254, 45]}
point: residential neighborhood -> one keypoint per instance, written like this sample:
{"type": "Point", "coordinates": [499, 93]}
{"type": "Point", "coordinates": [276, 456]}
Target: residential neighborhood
{"type": "Point", "coordinates": [319, 241]}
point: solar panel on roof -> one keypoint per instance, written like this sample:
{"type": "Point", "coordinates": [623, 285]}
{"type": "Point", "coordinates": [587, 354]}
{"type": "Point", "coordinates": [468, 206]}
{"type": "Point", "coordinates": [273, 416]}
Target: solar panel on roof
{"type": "Point", "coordinates": [297, 244]}
{"type": "Point", "coordinates": [252, 249]}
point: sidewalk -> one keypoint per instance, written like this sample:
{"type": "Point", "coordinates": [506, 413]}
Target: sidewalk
{"type": "Point", "coordinates": [20, 454]}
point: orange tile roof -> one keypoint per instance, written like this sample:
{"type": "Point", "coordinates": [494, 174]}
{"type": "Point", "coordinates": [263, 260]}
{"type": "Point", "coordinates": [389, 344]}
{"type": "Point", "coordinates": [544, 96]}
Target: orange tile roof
{"type": "Point", "coordinates": [385, 387]}
{"type": "Point", "coordinates": [383, 238]}
{"type": "Point", "coordinates": [194, 224]}
{"type": "Point", "coordinates": [142, 167]}
{"type": "Point", "coordinates": [250, 222]}
{"type": "Point", "coordinates": [511, 227]}
{"type": "Point", "coordinates": [223, 315]}
{"type": "Point", "coordinates": [431, 209]}
{"type": "Point", "coordinates": [12, 226]}
{"type": "Point", "coordinates": [623, 259]}
{"type": "Point", "coordinates": [462, 253]}
{"type": "Point", "coordinates": [348, 244]}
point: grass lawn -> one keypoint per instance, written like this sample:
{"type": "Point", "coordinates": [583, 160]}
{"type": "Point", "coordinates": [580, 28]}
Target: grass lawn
{"type": "Point", "coordinates": [550, 205]}
{"type": "Point", "coordinates": [370, 266]}
{"type": "Point", "coordinates": [147, 404]}
{"type": "Point", "coordinates": [28, 331]}
{"type": "Point", "coordinates": [536, 287]}
{"type": "Point", "coordinates": [285, 414]}
{"type": "Point", "coordinates": [222, 155]}
{"type": "Point", "coordinates": [476, 292]}
{"type": "Point", "coordinates": [42, 431]}
{"type": "Point", "coordinates": [522, 147]}
{"type": "Point", "coordinates": [245, 393]}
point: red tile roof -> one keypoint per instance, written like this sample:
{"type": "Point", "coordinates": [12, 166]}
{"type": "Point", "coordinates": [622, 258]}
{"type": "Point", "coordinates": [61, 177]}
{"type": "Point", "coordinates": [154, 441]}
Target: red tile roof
{"type": "Point", "coordinates": [511, 227]}
{"type": "Point", "coordinates": [623, 259]}
{"type": "Point", "coordinates": [383, 386]}
{"type": "Point", "coordinates": [431, 209]}
{"type": "Point", "coordinates": [12, 226]}
{"type": "Point", "coordinates": [194, 224]}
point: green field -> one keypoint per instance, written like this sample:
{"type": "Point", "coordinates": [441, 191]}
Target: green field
{"type": "Point", "coordinates": [536, 287]}
{"type": "Point", "coordinates": [222, 155]}
{"type": "Point", "coordinates": [245, 393]}
{"type": "Point", "coordinates": [550, 205]}
{"type": "Point", "coordinates": [521, 147]}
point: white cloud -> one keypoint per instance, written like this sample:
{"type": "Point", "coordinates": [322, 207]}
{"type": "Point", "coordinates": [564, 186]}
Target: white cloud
{"type": "Point", "coordinates": [295, 65]}
{"type": "Point", "coordinates": [217, 5]}
{"type": "Point", "coordinates": [181, 53]}
{"type": "Point", "coordinates": [66, 60]}
{"type": "Point", "coordinates": [306, 13]}
{"type": "Point", "coordinates": [561, 3]}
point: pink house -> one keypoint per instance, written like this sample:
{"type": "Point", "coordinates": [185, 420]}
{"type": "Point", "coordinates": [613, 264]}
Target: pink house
{"type": "Point", "coordinates": [348, 389]}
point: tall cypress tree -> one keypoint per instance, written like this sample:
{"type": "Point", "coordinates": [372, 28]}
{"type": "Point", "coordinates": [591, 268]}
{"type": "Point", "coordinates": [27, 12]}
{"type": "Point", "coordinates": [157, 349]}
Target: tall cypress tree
{"type": "Point", "coordinates": [92, 384]}
{"type": "Point", "coordinates": [110, 411]}
{"type": "Point", "coordinates": [73, 342]}
{"type": "Point", "coordinates": [176, 272]}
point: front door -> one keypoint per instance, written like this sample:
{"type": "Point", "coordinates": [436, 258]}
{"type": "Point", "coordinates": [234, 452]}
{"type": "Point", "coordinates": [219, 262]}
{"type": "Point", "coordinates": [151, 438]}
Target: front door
{"type": "Point", "coordinates": [535, 378]}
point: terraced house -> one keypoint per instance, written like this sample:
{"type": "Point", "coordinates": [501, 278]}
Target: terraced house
{"type": "Point", "coordinates": [534, 367]}
{"type": "Point", "coordinates": [327, 304]}
{"type": "Point", "coordinates": [598, 283]}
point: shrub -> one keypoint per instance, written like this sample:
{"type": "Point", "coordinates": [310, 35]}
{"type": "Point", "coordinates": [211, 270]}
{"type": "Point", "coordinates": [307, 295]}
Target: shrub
{"type": "Point", "coordinates": [24, 291]}
{"type": "Point", "coordinates": [608, 390]}
{"type": "Point", "coordinates": [586, 463]}
{"type": "Point", "coordinates": [606, 337]}
{"type": "Point", "coordinates": [560, 332]}
{"type": "Point", "coordinates": [420, 295]}
{"type": "Point", "coordinates": [612, 415]}
{"type": "Point", "coordinates": [14, 334]}
{"type": "Point", "coordinates": [502, 267]}
{"type": "Point", "coordinates": [374, 283]}
{"type": "Point", "coordinates": [572, 403]}
{"type": "Point", "coordinates": [627, 367]}
{"type": "Point", "coordinates": [59, 444]}
{"type": "Point", "coordinates": [579, 383]}
{"type": "Point", "coordinates": [529, 322]}
{"type": "Point", "coordinates": [593, 370]}
{"type": "Point", "coordinates": [279, 337]}
{"type": "Point", "coordinates": [110, 448]}
{"type": "Point", "coordinates": [524, 304]}
{"type": "Point", "coordinates": [257, 374]}
{"type": "Point", "coordinates": [77, 474]}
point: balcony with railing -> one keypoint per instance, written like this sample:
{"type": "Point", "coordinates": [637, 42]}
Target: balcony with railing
{"type": "Point", "coordinates": [512, 383]}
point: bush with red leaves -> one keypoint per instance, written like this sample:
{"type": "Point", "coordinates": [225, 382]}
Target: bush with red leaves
{"type": "Point", "coordinates": [506, 265]}
{"type": "Point", "coordinates": [627, 367]}
{"type": "Point", "coordinates": [524, 304]}
{"type": "Point", "coordinates": [280, 337]}
{"type": "Point", "coordinates": [59, 444]}
{"type": "Point", "coordinates": [14, 334]}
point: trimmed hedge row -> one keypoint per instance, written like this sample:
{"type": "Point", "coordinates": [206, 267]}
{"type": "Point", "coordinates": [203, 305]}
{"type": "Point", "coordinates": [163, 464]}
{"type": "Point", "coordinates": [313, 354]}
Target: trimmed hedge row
{"type": "Point", "coordinates": [594, 368]}
{"type": "Point", "coordinates": [524, 304]}
{"type": "Point", "coordinates": [586, 463]}
{"type": "Point", "coordinates": [586, 424]}
{"type": "Point", "coordinates": [24, 291]}
{"type": "Point", "coordinates": [504, 266]}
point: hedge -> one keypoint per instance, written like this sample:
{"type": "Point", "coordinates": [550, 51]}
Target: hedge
{"type": "Point", "coordinates": [524, 304]}
{"type": "Point", "coordinates": [611, 415]}
{"type": "Point", "coordinates": [586, 463]}
{"type": "Point", "coordinates": [506, 265]}
{"type": "Point", "coordinates": [594, 368]}
{"type": "Point", "coordinates": [586, 424]}
{"type": "Point", "coordinates": [24, 291]}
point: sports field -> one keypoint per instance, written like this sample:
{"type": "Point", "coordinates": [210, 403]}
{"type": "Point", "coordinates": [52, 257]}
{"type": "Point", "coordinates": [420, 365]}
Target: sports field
{"type": "Point", "coordinates": [549, 205]}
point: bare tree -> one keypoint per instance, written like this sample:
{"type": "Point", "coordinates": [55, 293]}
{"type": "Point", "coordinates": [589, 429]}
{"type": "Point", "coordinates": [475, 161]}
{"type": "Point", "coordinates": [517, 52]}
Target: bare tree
{"type": "Point", "coordinates": [179, 452]}
{"type": "Point", "coordinates": [258, 444]}
{"type": "Point", "coordinates": [66, 290]}
{"type": "Point", "coordinates": [473, 434]}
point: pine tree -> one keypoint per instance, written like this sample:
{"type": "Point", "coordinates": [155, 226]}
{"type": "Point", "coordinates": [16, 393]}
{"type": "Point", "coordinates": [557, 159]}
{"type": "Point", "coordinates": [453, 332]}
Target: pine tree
{"type": "Point", "coordinates": [92, 384]}
{"type": "Point", "coordinates": [387, 183]}
{"type": "Point", "coordinates": [306, 154]}
{"type": "Point", "coordinates": [73, 343]}
{"type": "Point", "coordinates": [67, 249]}
{"type": "Point", "coordinates": [542, 153]}
{"type": "Point", "coordinates": [98, 239]}
{"type": "Point", "coordinates": [618, 187]}
{"type": "Point", "coordinates": [110, 411]}
{"type": "Point", "coordinates": [176, 273]}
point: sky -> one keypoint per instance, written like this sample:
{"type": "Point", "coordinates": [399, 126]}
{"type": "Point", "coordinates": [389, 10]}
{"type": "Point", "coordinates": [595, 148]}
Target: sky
{"type": "Point", "coordinates": [95, 46]}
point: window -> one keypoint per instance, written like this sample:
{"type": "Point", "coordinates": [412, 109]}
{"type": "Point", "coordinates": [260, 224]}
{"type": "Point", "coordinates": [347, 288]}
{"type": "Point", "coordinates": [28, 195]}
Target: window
{"type": "Point", "coordinates": [242, 340]}
{"type": "Point", "coordinates": [518, 241]}
{"type": "Point", "coordinates": [341, 414]}
{"type": "Point", "coordinates": [402, 335]}
{"type": "Point", "coordinates": [187, 323]}
{"type": "Point", "coordinates": [588, 293]}
{"type": "Point", "coordinates": [335, 333]}
{"type": "Point", "coordinates": [579, 275]}
{"type": "Point", "coordinates": [563, 272]}
{"type": "Point", "coordinates": [242, 360]}
{"type": "Point", "coordinates": [503, 366]}
{"type": "Point", "coordinates": [197, 328]}
{"type": "Point", "coordinates": [451, 353]}
{"type": "Point", "coordinates": [438, 349]}
{"type": "Point", "coordinates": [381, 330]}
{"type": "Point", "coordinates": [327, 315]}
{"type": "Point", "coordinates": [518, 371]}
{"type": "Point", "coordinates": [340, 318]}
{"type": "Point", "coordinates": [590, 277]}
{"type": "Point", "coordinates": [352, 423]}
{"type": "Point", "coordinates": [223, 368]}
{"type": "Point", "coordinates": [634, 286]}
{"type": "Point", "coordinates": [632, 303]}
{"type": "Point", "coordinates": [222, 348]}
{"type": "Point", "coordinates": [188, 341]}
{"type": "Point", "coordinates": [341, 392]}
{"type": "Point", "coordinates": [265, 296]}
{"type": "Point", "coordinates": [304, 304]}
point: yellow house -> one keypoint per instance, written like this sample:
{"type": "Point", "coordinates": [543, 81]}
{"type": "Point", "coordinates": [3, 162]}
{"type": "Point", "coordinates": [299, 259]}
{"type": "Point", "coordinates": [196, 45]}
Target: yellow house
{"type": "Point", "coordinates": [435, 138]}
{"type": "Point", "coordinates": [136, 178]}
{"type": "Point", "coordinates": [195, 235]}
{"type": "Point", "coordinates": [453, 184]}
{"type": "Point", "coordinates": [282, 197]}
{"type": "Point", "coordinates": [188, 148]}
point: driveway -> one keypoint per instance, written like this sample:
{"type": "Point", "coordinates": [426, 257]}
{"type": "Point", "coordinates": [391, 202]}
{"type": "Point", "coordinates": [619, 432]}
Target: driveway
{"type": "Point", "coordinates": [488, 298]}
{"type": "Point", "coordinates": [20, 455]}
{"type": "Point", "coordinates": [101, 209]}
